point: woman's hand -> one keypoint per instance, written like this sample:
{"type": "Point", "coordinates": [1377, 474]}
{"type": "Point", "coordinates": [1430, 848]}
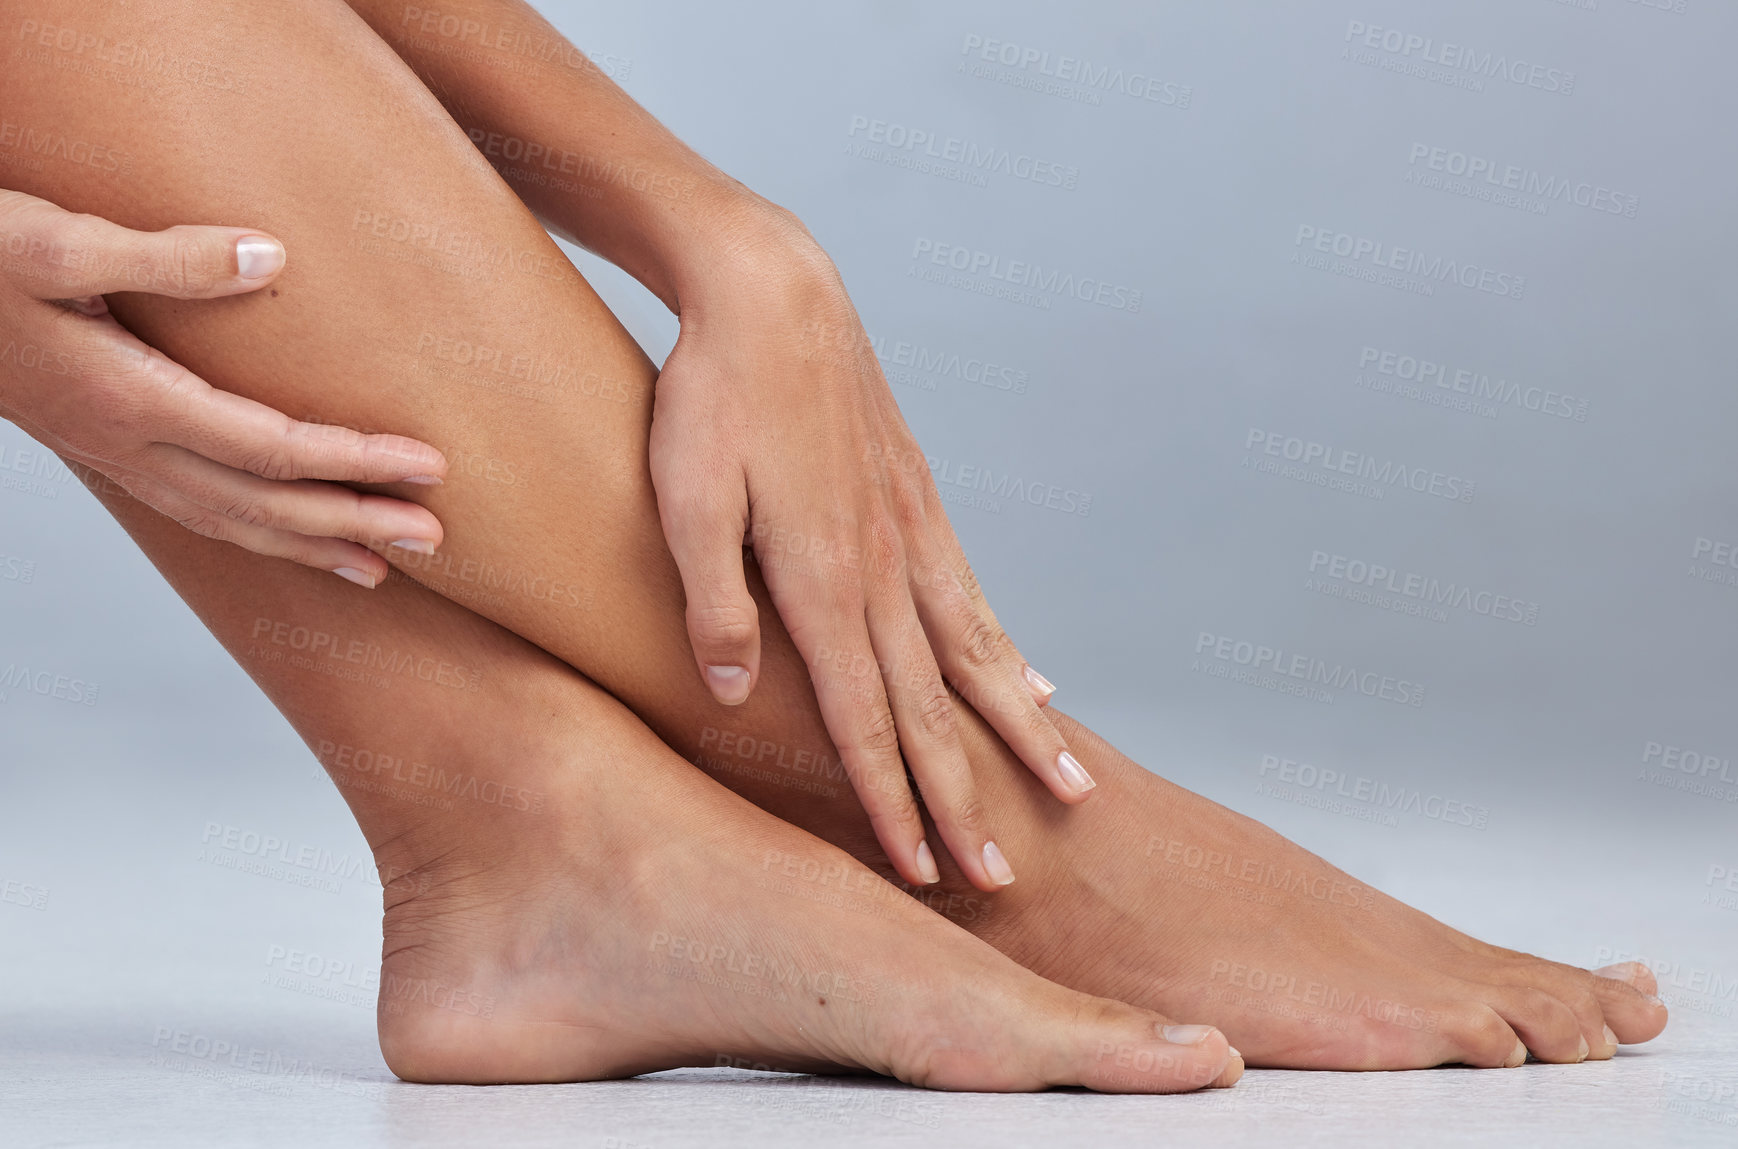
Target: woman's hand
{"type": "Point", "coordinates": [219, 464]}
{"type": "Point", "coordinates": [775, 429]}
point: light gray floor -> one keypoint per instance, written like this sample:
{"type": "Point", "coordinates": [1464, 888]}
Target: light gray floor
{"type": "Point", "coordinates": [88, 1081]}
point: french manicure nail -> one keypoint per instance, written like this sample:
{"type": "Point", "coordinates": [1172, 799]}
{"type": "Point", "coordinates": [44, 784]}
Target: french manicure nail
{"type": "Point", "coordinates": [926, 864]}
{"type": "Point", "coordinates": [424, 480]}
{"type": "Point", "coordinates": [1040, 685]}
{"type": "Point", "coordinates": [420, 546]}
{"type": "Point", "coordinates": [360, 578]}
{"type": "Point", "coordinates": [257, 257]}
{"type": "Point", "coordinates": [997, 866]}
{"type": "Point", "coordinates": [1074, 775]}
{"type": "Point", "coordinates": [729, 684]}
{"type": "Point", "coordinates": [1610, 1037]}
{"type": "Point", "coordinates": [1186, 1034]}
{"type": "Point", "coordinates": [1620, 971]}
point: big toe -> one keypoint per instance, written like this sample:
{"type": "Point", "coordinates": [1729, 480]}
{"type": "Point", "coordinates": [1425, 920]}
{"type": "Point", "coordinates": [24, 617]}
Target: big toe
{"type": "Point", "coordinates": [1117, 1048]}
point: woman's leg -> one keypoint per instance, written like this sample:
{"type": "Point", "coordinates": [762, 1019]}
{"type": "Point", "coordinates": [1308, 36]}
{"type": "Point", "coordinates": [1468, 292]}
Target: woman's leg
{"type": "Point", "coordinates": [566, 899]}
{"type": "Point", "coordinates": [423, 299]}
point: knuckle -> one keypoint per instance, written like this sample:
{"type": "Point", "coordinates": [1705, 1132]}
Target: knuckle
{"type": "Point", "coordinates": [248, 512]}
{"type": "Point", "coordinates": [979, 644]}
{"type": "Point", "coordinates": [935, 713]}
{"type": "Point", "coordinates": [726, 623]}
{"type": "Point", "coordinates": [883, 551]}
{"type": "Point", "coordinates": [188, 264]}
{"type": "Point", "coordinates": [879, 736]}
{"type": "Point", "coordinates": [967, 813]}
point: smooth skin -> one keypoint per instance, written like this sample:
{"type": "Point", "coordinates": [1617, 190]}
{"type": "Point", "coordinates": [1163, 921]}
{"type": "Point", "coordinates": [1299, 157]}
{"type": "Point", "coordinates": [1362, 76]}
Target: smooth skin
{"type": "Point", "coordinates": [83, 385]}
{"type": "Point", "coordinates": [1102, 903]}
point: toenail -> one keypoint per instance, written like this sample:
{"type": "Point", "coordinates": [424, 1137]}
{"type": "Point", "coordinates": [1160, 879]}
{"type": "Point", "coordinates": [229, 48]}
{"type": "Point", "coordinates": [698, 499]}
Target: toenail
{"type": "Point", "coordinates": [1622, 971]}
{"type": "Point", "coordinates": [1610, 1037]}
{"type": "Point", "coordinates": [1186, 1034]}
{"type": "Point", "coordinates": [1074, 775]}
{"type": "Point", "coordinates": [1584, 1051]}
{"type": "Point", "coordinates": [997, 866]}
{"type": "Point", "coordinates": [926, 864]}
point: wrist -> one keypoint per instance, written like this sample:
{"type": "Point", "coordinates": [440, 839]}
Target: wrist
{"type": "Point", "coordinates": [742, 244]}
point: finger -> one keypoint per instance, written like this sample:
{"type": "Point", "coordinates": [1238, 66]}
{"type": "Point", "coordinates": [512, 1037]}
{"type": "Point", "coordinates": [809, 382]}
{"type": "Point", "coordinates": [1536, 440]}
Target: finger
{"type": "Point", "coordinates": [69, 255]}
{"type": "Point", "coordinates": [923, 711]}
{"type": "Point", "coordinates": [238, 432]}
{"type": "Point", "coordinates": [347, 560]}
{"type": "Point", "coordinates": [300, 506]}
{"type": "Point", "coordinates": [951, 572]}
{"type": "Point", "coordinates": [854, 706]}
{"type": "Point", "coordinates": [704, 525]}
{"type": "Point", "coordinates": [982, 664]}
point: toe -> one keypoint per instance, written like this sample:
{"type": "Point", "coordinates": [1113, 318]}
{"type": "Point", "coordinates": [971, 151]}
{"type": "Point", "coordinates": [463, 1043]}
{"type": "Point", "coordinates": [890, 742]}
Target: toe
{"type": "Point", "coordinates": [1478, 1036]}
{"type": "Point", "coordinates": [1633, 1013]}
{"type": "Point", "coordinates": [1548, 1027]}
{"type": "Point", "coordinates": [1118, 1048]}
{"type": "Point", "coordinates": [1635, 973]}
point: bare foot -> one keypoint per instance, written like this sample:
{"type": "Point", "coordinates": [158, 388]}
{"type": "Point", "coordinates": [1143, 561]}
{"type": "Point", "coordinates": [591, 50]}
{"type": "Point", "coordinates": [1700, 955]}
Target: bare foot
{"type": "Point", "coordinates": [645, 918]}
{"type": "Point", "coordinates": [1153, 895]}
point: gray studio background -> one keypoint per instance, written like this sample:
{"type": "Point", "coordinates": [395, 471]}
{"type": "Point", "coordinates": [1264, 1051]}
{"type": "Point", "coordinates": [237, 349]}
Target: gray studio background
{"type": "Point", "coordinates": [1563, 607]}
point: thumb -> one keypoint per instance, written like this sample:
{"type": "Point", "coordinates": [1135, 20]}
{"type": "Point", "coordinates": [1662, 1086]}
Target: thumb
{"type": "Point", "coordinates": [75, 256]}
{"type": "Point", "coordinates": [704, 530]}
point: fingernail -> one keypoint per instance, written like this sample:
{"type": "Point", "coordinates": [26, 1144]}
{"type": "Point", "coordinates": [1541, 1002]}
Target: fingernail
{"type": "Point", "coordinates": [926, 864]}
{"type": "Point", "coordinates": [360, 578]}
{"type": "Point", "coordinates": [1518, 1057]}
{"type": "Point", "coordinates": [1584, 1051]}
{"type": "Point", "coordinates": [1074, 775]}
{"type": "Point", "coordinates": [257, 257]}
{"type": "Point", "coordinates": [729, 684]}
{"type": "Point", "coordinates": [1040, 685]}
{"type": "Point", "coordinates": [1610, 1037]}
{"type": "Point", "coordinates": [420, 546]}
{"type": "Point", "coordinates": [997, 866]}
{"type": "Point", "coordinates": [424, 480]}
{"type": "Point", "coordinates": [1186, 1034]}
{"type": "Point", "coordinates": [1620, 971]}
{"type": "Point", "coordinates": [1234, 1052]}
